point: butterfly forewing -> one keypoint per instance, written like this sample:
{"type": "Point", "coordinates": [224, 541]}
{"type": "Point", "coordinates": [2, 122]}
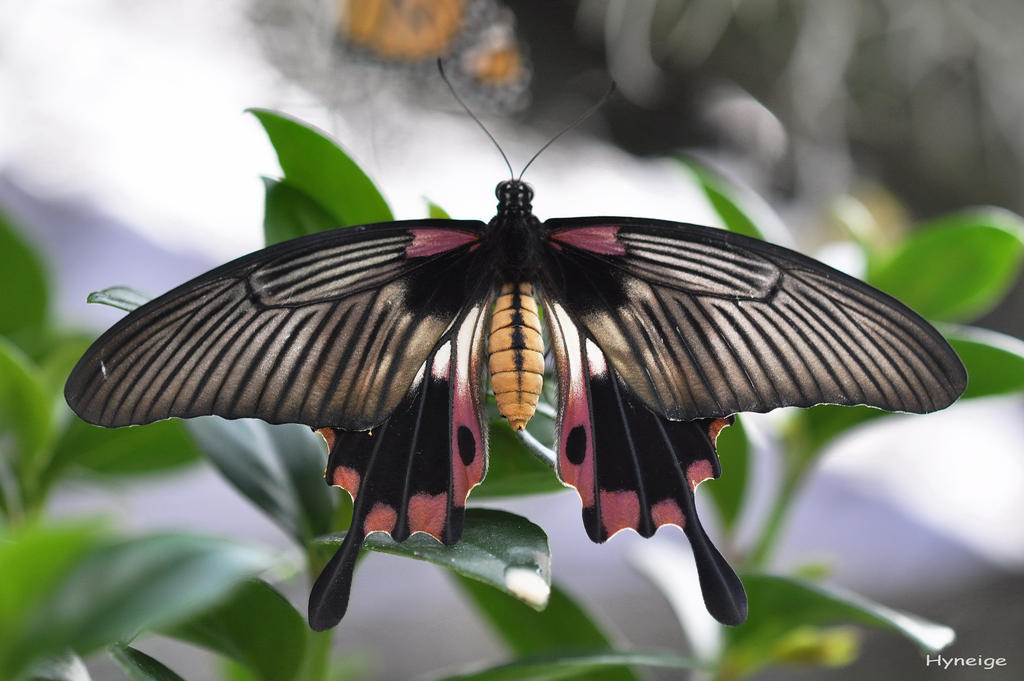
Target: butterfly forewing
{"type": "Point", "coordinates": [699, 322]}
{"type": "Point", "coordinates": [326, 330]}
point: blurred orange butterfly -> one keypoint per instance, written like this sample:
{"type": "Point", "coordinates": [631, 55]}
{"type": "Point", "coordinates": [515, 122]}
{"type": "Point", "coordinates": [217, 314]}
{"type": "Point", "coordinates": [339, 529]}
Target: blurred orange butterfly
{"type": "Point", "coordinates": [476, 38]}
{"type": "Point", "coordinates": [402, 30]}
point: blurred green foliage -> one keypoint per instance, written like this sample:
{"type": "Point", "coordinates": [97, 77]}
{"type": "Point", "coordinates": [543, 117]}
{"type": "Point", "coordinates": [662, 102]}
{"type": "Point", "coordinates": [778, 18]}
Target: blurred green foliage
{"type": "Point", "coordinates": [69, 589]}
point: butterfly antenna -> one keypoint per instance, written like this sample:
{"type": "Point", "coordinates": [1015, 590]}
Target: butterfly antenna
{"type": "Point", "coordinates": [584, 116]}
{"type": "Point", "coordinates": [444, 77]}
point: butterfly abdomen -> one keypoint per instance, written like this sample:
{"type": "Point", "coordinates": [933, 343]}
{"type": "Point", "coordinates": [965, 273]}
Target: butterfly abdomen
{"type": "Point", "coordinates": [516, 353]}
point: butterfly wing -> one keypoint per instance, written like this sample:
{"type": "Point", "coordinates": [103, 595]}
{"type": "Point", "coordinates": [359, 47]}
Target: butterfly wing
{"type": "Point", "coordinates": [633, 468]}
{"type": "Point", "coordinates": [414, 472]}
{"type": "Point", "coordinates": [396, 31]}
{"type": "Point", "coordinates": [326, 330]}
{"type": "Point", "coordinates": [662, 330]}
{"type": "Point", "coordinates": [700, 322]}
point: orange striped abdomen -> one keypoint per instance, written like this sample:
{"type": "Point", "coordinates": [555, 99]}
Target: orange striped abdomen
{"type": "Point", "coordinates": [516, 354]}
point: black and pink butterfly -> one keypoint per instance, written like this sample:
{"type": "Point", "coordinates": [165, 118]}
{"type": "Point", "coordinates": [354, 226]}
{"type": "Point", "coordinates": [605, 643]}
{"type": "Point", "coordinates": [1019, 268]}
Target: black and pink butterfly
{"type": "Point", "coordinates": [377, 335]}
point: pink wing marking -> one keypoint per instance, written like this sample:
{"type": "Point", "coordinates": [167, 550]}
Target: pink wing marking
{"type": "Point", "coordinates": [620, 510]}
{"type": "Point", "coordinates": [347, 478]}
{"type": "Point", "coordinates": [598, 239]}
{"type": "Point", "coordinates": [667, 512]}
{"type": "Point", "coordinates": [717, 426]}
{"type": "Point", "coordinates": [433, 241]}
{"type": "Point", "coordinates": [381, 518]}
{"type": "Point", "coordinates": [699, 471]}
{"type": "Point", "coordinates": [575, 410]}
{"type": "Point", "coordinates": [467, 456]}
{"type": "Point", "coordinates": [427, 513]}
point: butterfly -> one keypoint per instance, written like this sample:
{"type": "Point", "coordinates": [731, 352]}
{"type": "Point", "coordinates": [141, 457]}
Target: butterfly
{"type": "Point", "coordinates": [381, 337]}
{"type": "Point", "coordinates": [476, 37]}
{"type": "Point", "coordinates": [405, 30]}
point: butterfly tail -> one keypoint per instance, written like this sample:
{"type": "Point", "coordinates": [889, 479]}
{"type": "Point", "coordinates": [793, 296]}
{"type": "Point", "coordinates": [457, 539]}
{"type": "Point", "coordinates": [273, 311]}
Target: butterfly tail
{"type": "Point", "coordinates": [634, 469]}
{"type": "Point", "coordinates": [724, 595]}
{"type": "Point", "coordinates": [414, 472]}
{"type": "Point", "coordinates": [689, 455]}
{"type": "Point", "coordinates": [328, 600]}
{"type": "Point", "coordinates": [646, 473]}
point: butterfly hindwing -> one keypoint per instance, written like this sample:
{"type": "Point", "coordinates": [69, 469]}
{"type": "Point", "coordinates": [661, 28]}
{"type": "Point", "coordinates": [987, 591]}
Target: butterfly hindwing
{"type": "Point", "coordinates": [633, 468]}
{"type": "Point", "coordinates": [414, 471]}
{"type": "Point", "coordinates": [700, 322]}
{"type": "Point", "coordinates": [325, 330]}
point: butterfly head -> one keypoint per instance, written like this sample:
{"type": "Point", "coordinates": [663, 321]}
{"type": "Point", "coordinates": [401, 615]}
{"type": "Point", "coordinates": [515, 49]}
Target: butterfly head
{"type": "Point", "coordinates": [514, 196]}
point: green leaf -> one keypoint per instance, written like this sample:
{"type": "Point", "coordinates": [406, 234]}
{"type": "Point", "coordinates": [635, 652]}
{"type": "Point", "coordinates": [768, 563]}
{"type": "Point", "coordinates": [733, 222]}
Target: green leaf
{"type": "Point", "coordinates": [720, 195]}
{"type": "Point", "coordinates": [26, 429]}
{"type": "Point", "coordinates": [23, 282]}
{"type": "Point", "coordinates": [436, 212]}
{"type": "Point", "coordinates": [957, 267]}
{"type": "Point", "coordinates": [135, 450]}
{"type": "Point", "coordinates": [257, 627]}
{"type": "Point", "coordinates": [314, 164]}
{"type": "Point", "coordinates": [562, 625]}
{"type": "Point", "coordinates": [994, 361]}
{"type": "Point", "coordinates": [122, 297]}
{"type": "Point", "coordinates": [818, 646]}
{"type": "Point", "coordinates": [56, 354]}
{"type": "Point", "coordinates": [503, 550]}
{"type": "Point", "coordinates": [34, 561]}
{"type": "Point", "coordinates": [138, 666]}
{"type": "Point", "coordinates": [786, 615]}
{"type": "Point", "coordinates": [584, 666]}
{"type": "Point", "coordinates": [562, 628]}
{"type": "Point", "coordinates": [728, 491]}
{"type": "Point", "coordinates": [232, 671]}
{"type": "Point", "coordinates": [289, 213]}
{"type": "Point", "coordinates": [24, 403]}
{"type": "Point", "coordinates": [278, 468]}
{"type": "Point", "coordinates": [123, 587]}
{"type": "Point", "coordinates": [512, 469]}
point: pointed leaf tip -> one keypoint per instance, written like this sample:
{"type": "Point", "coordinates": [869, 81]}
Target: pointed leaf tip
{"type": "Point", "coordinates": [314, 164]}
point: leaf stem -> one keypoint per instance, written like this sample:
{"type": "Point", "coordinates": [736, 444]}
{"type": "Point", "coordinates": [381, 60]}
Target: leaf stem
{"type": "Point", "coordinates": [318, 656]}
{"type": "Point", "coordinates": [779, 512]}
{"type": "Point", "coordinates": [317, 664]}
{"type": "Point", "coordinates": [799, 456]}
{"type": "Point", "coordinates": [10, 494]}
{"type": "Point", "coordinates": [537, 448]}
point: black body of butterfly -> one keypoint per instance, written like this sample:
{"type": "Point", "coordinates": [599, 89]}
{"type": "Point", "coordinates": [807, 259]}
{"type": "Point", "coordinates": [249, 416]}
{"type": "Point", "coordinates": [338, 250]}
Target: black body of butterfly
{"type": "Point", "coordinates": [377, 336]}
